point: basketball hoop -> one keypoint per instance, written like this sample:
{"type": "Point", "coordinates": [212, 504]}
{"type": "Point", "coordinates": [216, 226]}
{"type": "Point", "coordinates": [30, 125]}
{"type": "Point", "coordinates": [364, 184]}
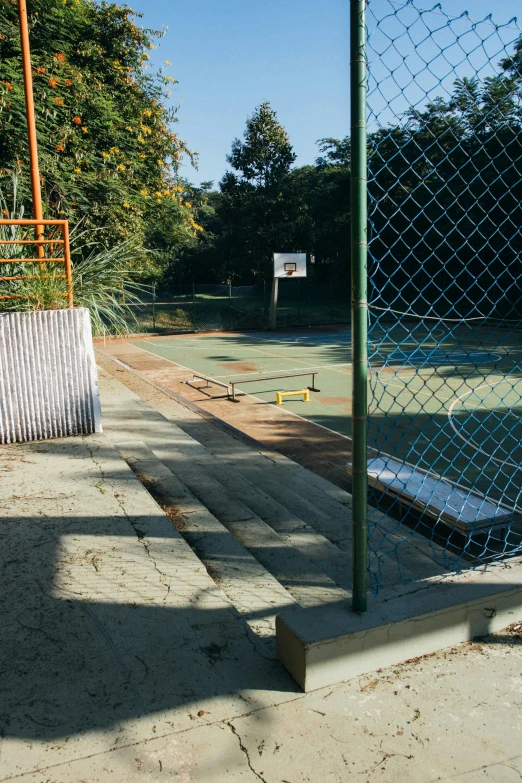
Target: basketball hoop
{"type": "Point", "coordinates": [290, 272]}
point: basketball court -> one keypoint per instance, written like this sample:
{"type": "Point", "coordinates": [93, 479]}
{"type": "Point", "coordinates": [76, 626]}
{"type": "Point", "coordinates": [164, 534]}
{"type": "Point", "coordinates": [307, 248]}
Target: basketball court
{"type": "Point", "coordinates": [451, 406]}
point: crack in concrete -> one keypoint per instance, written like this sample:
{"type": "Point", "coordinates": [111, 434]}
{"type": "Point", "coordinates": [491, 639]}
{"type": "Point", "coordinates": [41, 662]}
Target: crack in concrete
{"type": "Point", "coordinates": [140, 535]}
{"type": "Point", "coordinates": [254, 640]}
{"type": "Point", "coordinates": [244, 750]}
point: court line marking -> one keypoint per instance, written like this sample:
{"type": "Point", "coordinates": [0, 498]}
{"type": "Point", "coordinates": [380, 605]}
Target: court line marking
{"type": "Point", "coordinates": [291, 342]}
{"type": "Point", "coordinates": [252, 337]}
{"type": "Point", "coordinates": [298, 415]}
{"type": "Point", "coordinates": [267, 353]}
{"type": "Point", "coordinates": [257, 350]}
{"type": "Point", "coordinates": [290, 358]}
{"type": "Point", "coordinates": [328, 429]}
{"type": "Point", "coordinates": [161, 357]}
{"type": "Point", "coordinates": [470, 441]}
{"type": "Point", "coordinates": [259, 399]}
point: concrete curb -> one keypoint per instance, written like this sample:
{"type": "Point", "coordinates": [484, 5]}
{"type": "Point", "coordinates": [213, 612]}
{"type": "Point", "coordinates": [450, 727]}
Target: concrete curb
{"type": "Point", "coordinates": [330, 644]}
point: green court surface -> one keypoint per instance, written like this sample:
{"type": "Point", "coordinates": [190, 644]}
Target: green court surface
{"type": "Point", "coordinates": [449, 403]}
{"type": "Point", "coordinates": [230, 357]}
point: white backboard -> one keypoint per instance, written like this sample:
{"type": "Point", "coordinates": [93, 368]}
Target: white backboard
{"type": "Point", "coordinates": [289, 264]}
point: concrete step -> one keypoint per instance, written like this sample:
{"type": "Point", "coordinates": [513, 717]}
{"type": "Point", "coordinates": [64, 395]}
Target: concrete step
{"type": "Point", "coordinates": [326, 507]}
{"type": "Point", "coordinates": [301, 577]}
{"type": "Point", "coordinates": [219, 485]}
{"type": "Point", "coordinates": [238, 479]}
{"type": "Point", "coordinates": [250, 587]}
{"type": "Point", "coordinates": [234, 499]}
{"type": "Point", "coordinates": [325, 496]}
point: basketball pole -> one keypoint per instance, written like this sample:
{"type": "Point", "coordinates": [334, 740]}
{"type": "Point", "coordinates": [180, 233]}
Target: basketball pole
{"type": "Point", "coordinates": [359, 252]}
{"type": "Point", "coordinates": [31, 123]}
{"type": "Point", "coordinates": [272, 316]}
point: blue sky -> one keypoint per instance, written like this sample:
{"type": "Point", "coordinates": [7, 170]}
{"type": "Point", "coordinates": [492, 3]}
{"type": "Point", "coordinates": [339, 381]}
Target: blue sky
{"type": "Point", "coordinates": [230, 55]}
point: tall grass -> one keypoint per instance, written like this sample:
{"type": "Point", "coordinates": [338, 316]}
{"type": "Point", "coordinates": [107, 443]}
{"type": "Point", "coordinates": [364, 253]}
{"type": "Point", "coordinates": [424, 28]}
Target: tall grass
{"type": "Point", "coordinates": [103, 278]}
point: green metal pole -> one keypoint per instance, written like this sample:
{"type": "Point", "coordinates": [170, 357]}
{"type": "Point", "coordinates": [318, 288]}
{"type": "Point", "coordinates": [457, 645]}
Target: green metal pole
{"type": "Point", "coordinates": [359, 249]}
{"type": "Point", "coordinates": [193, 306]}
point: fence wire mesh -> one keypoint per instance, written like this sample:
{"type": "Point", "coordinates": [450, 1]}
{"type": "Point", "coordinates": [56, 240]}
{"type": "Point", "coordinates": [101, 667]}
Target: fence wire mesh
{"type": "Point", "coordinates": [445, 286]}
{"type": "Point", "coordinates": [224, 307]}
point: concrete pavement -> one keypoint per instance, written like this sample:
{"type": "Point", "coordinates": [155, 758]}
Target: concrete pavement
{"type": "Point", "coordinates": [122, 660]}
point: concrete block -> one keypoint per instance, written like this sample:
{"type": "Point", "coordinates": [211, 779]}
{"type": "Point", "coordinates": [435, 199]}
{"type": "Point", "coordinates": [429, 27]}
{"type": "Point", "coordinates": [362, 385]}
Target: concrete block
{"type": "Point", "coordinates": [324, 645]}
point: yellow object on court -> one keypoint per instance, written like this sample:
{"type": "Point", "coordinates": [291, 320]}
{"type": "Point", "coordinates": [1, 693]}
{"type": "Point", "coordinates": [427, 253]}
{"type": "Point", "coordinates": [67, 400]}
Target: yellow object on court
{"type": "Point", "coordinates": [280, 395]}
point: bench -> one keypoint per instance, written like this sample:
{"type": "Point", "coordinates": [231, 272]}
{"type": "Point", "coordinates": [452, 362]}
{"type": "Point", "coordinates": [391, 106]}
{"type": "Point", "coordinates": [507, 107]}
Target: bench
{"type": "Point", "coordinates": [439, 498]}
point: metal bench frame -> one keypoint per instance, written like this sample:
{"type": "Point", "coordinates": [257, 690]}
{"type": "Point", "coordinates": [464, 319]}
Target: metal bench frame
{"type": "Point", "coordinates": [231, 386]}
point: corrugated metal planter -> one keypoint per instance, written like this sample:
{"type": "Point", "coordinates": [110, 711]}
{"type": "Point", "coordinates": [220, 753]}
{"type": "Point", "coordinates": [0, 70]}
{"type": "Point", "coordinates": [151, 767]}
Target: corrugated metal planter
{"type": "Point", "coordinates": [48, 379]}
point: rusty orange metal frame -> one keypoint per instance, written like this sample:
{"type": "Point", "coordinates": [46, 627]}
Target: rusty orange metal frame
{"type": "Point", "coordinates": [31, 122]}
{"type": "Point", "coordinates": [40, 243]}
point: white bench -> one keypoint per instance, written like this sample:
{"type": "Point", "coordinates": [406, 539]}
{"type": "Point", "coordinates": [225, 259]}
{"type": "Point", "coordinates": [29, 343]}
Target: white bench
{"type": "Point", "coordinates": [440, 498]}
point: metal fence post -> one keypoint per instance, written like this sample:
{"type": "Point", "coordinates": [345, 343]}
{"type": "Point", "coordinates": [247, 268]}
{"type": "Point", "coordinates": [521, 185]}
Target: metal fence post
{"type": "Point", "coordinates": [359, 302]}
{"type": "Point", "coordinates": [154, 307]}
{"type": "Point", "coordinates": [230, 304]}
{"type": "Point", "coordinates": [193, 306]}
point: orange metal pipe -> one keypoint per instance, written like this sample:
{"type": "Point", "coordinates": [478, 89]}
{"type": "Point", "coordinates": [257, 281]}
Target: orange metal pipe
{"type": "Point", "coordinates": [33, 277]}
{"type": "Point", "coordinates": [31, 222]}
{"type": "Point", "coordinates": [31, 122]}
{"type": "Point", "coordinates": [65, 259]}
{"type": "Point", "coordinates": [32, 261]}
{"type": "Point", "coordinates": [68, 265]}
{"type": "Point", "coordinates": [31, 241]}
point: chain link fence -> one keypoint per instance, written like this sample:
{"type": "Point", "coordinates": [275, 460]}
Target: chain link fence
{"type": "Point", "coordinates": [223, 307]}
{"type": "Point", "coordinates": [445, 286]}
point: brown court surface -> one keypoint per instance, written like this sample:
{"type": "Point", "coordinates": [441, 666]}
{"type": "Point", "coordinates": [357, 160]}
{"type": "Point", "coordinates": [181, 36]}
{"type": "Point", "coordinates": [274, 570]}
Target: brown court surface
{"type": "Point", "coordinates": [312, 446]}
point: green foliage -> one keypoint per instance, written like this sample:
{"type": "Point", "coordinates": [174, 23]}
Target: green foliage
{"type": "Point", "coordinates": [446, 193]}
{"type": "Point", "coordinates": [260, 210]}
{"type": "Point", "coordinates": [265, 205]}
{"type": "Point", "coordinates": [108, 155]}
{"type": "Point", "coordinates": [265, 156]}
{"type": "Point", "coordinates": [103, 280]}
{"type": "Point", "coordinates": [324, 190]}
{"type": "Point", "coordinates": [199, 258]}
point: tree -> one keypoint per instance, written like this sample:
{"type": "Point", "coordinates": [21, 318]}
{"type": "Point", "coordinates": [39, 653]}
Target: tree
{"type": "Point", "coordinates": [108, 154]}
{"type": "Point", "coordinates": [445, 193]}
{"type": "Point", "coordinates": [261, 210]}
{"type": "Point", "coordinates": [201, 258]}
{"type": "Point", "coordinates": [325, 189]}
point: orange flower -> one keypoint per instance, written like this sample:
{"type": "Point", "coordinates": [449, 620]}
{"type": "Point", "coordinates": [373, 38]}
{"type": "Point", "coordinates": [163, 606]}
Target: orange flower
{"type": "Point", "coordinates": [77, 120]}
{"type": "Point", "coordinates": [53, 82]}
{"type": "Point", "coordinates": [60, 57]}
{"type": "Point", "coordinates": [41, 69]}
{"type": "Point", "coordinates": [68, 83]}
{"type": "Point", "coordinates": [59, 102]}
{"type": "Point", "coordinates": [59, 147]}
{"type": "Point", "coordinates": [8, 85]}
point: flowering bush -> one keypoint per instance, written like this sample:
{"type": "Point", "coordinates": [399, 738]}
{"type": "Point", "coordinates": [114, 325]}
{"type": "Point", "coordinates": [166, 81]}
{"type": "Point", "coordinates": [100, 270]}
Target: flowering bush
{"type": "Point", "coordinates": [108, 154]}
